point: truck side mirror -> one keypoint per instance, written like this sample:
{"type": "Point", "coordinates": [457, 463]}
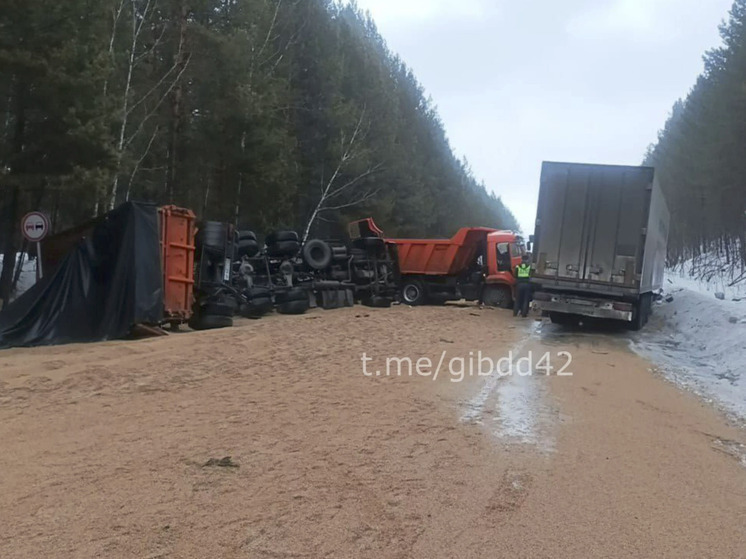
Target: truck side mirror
{"type": "Point", "coordinates": [530, 246]}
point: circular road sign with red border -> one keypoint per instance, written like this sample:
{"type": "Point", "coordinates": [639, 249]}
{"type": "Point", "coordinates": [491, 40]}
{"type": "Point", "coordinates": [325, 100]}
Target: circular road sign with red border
{"type": "Point", "coordinates": [35, 226]}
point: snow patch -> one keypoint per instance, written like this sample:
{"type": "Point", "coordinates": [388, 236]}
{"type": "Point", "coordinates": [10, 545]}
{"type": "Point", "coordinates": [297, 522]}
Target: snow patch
{"type": "Point", "coordinates": [27, 278]}
{"type": "Point", "coordinates": [699, 342]}
{"type": "Point", "coordinates": [517, 403]}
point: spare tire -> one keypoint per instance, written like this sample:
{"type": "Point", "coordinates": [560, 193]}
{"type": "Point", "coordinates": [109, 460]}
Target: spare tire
{"type": "Point", "coordinates": [317, 254]}
{"type": "Point", "coordinates": [280, 236]}
{"type": "Point", "coordinates": [283, 248]}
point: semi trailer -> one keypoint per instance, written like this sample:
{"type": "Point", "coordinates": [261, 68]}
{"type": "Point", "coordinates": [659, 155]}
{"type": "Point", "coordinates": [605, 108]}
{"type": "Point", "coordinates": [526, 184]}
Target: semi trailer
{"type": "Point", "coordinates": [599, 244]}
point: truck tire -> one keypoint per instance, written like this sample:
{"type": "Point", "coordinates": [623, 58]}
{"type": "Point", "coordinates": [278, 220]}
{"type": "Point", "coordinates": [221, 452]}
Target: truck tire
{"type": "Point", "coordinates": [376, 301]}
{"type": "Point", "coordinates": [259, 292]}
{"type": "Point", "coordinates": [294, 294]}
{"type": "Point", "coordinates": [562, 319]}
{"type": "Point", "coordinates": [281, 236]}
{"type": "Point", "coordinates": [212, 236]}
{"type": "Point", "coordinates": [246, 247]}
{"type": "Point", "coordinates": [256, 309]}
{"type": "Point", "coordinates": [246, 236]}
{"type": "Point", "coordinates": [642, 312]}
{"type": "Point", "coordinates": [413, 293]}
{"type": "Point", "coordinates": [317, 254]}
{"type": "Point", "coordinates": [498, 296]}
{"type": "Point", "coordinates": [210, 322]}
{"type": "Point", "coordinates": [293, 307]}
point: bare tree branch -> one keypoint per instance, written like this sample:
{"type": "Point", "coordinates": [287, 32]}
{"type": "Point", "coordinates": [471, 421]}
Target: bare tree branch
{"type": "Point", "coordinates": [329, 190]}
{"type": "Point", "coordinates": [139, 162]}
{"type": "Point", "coordinates": [158, 104]}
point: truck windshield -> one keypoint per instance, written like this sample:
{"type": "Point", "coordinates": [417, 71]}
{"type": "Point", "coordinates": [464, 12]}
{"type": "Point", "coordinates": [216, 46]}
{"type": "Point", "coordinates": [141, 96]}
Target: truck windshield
{"type": "Point", "coordinates": [517, 248]}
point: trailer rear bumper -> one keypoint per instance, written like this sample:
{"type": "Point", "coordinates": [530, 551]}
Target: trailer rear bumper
{"type": "Point", "coordinates": [582, 306]}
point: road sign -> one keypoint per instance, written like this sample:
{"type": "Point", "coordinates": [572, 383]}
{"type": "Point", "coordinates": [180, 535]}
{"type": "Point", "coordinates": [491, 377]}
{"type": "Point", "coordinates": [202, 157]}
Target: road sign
{"type": "Point", "coordinates": [35, 226]}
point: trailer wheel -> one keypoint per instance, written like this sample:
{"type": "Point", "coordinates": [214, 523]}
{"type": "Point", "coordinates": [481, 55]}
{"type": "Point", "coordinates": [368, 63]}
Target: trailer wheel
{"type": "Point", "coordinates": [317, 254]}
{"type": "Point", "coordinates": [498, 296]}
{"type": "Point", "coordinates": [293, 307]}
{"type": "Point", "coordinates": [642, 312]}
{"type": "Point", "coordinates": [413, 293]}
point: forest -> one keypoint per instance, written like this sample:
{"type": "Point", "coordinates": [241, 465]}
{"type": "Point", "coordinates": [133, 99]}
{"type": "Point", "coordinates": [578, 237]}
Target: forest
{"type": "Point", "coordinates": [700, 157]}
{"type": "Point", "coordinates": [268, 114]}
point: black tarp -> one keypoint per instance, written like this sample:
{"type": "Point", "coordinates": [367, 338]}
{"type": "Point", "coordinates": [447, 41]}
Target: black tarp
{"type": "Point", "coordinates": [110, 281]}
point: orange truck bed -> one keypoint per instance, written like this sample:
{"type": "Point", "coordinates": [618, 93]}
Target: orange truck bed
{"type": "Point", "coordinates": [441, 257]}
{"type": "Point", "coordinates": [177, 262]}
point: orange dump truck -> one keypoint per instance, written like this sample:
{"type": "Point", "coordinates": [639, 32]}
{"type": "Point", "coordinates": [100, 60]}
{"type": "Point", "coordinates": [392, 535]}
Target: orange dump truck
{"type": "Point", "coordinates": [473, 260]}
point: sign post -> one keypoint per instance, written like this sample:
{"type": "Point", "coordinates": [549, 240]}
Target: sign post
{"type": "Point", "coordinates": [35, 226]}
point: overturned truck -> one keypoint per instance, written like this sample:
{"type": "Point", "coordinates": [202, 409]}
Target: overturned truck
{"type": "Point", "coordinates": [236, 274]}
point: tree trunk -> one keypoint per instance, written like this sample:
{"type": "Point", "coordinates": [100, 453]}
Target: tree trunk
{"type": "Point", "coordinates": [11, 211]}
{"type": "Point", "coordinates": [9, 250]}
{"type": "Point", "coordinates": [176, 102]}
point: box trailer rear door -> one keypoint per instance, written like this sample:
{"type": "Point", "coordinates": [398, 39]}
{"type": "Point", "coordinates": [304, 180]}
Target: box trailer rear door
{"type": "Point", "coordinates": [591, 222]}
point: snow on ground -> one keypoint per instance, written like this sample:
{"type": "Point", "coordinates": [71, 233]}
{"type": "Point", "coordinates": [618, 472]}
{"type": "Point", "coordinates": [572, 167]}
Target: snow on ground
{"type": "Point", "coordinates": [708, 274]}
{"type": "Point", "coordinates": [27, 277]}
{"type": "Point", "coordinates": [699, 342]}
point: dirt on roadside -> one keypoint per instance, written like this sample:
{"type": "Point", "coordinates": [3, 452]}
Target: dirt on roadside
{"type": "Point", "coordinates": [267, 440]}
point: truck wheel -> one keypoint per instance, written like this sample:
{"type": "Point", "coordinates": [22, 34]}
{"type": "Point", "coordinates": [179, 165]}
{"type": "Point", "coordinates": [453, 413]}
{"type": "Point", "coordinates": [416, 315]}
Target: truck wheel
{"type": "Point", "coordinates": [561, 318]}
{"type": "Point", "coordinates": [498, 296]}
{"type": "Point", "coordinates": [281, 236]}
{"type": "Point", "coordinates": [413, 293]}
{"type": "Point", "coordinates": [317, 254]}
{"type": "Point", "coordinates": [246, 236]}
{"type": "Point", "coordinates": [376, 301]}
{"type": "Point", "coordinates": [294, 294]}
{"type": "Point", "coordinates": [212, 236]}
{"type": "Point", "coordinates": [246, 247]}
{"type": "Point", "coordinates": [293, 307]}
{"type": "Point", "coordinates": [641, 312]}
{"type": "Point", "coordinates": [210, 322]}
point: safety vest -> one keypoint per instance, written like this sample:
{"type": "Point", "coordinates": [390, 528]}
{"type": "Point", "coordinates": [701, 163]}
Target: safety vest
{"type": "Point", "coordinates": [523, 271]}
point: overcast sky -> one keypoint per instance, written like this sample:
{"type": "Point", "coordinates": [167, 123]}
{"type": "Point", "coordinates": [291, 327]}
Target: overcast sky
{"type": "Point", "coordinates": [517, 82]}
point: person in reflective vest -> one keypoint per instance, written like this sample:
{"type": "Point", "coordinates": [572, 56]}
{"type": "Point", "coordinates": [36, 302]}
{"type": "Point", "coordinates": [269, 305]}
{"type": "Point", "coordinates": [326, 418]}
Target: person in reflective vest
{"type": "Point", "coordinates": [522, 274]}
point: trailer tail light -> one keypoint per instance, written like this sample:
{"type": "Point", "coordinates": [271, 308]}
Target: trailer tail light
{"type": "Point", "coordinates": [542, 296]}
{"type": "Point", "coordinates": [626, 307]}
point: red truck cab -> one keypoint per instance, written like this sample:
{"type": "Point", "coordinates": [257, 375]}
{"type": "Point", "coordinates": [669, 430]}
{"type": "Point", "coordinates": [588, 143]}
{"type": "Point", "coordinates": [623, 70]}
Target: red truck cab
{"type": "Point", "coordinates": [505, 250]}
